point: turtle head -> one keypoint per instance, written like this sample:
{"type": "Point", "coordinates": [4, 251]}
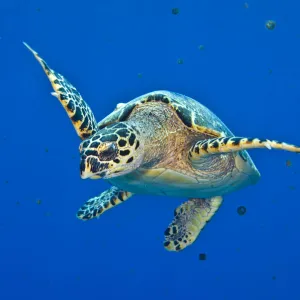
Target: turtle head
{"type": "Point", "coordinates": [112, 151]}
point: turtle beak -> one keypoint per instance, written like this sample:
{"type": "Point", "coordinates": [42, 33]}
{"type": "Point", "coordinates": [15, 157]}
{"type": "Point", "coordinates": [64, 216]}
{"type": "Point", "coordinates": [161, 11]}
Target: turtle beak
{"type": "Point", "coordinates": [85, 175]}
{"type": "Point", "coordinates": [89, 168]}
{"type": "Point", "coordinates": [85, 172]}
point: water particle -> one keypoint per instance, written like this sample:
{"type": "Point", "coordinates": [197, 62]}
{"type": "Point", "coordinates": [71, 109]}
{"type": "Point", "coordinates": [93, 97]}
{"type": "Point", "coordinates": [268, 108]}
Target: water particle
{"type": "Point", "coordinates": [38, 201]}
{"type": "Point", "coordinates": [201, 47]}
{"type": "Point", "coordinates": [175, 11]}
{"type": "Point", "coordinates": [180, 61]}
{"type": "Point", "coordinates": [274, 277]}
{"type": "Point", "coordinates": [241, 210]}
{"type": "Point", "coordinates": [140, 75]}
{"type": "Point", "coordinates": [270, 24]}
{"type": "Point", "coordinates": [202, 256]}
{"type": "Point", "coordinates": [246, 5]}
{"type": "Point", "coordinates": [288, 163]}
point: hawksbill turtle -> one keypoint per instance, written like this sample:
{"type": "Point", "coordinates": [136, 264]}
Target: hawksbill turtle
{"type": "Point", "coordinates": [161, 143]}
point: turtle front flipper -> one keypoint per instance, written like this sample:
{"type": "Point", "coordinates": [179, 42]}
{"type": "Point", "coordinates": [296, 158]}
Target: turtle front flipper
{"type": "Point", "coordinates": [98, 205]}
{"type": "Point", "coordinates": [232, 144]}
{"type": "Point", "coordinates": [77, 109]}
{"type": "Point", "coordinates": [189, 219]}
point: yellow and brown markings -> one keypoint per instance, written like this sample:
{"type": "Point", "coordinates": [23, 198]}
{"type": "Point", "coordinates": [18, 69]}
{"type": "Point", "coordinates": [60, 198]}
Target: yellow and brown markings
{"type": "Point", "coordinates": [183, 113]}
{"type": "Point", "coordinates": [111, 148]}
{"type": "Point", "coordinates": [77, 109]}
{"type": "Point", "coordinates": [189, 219]}
{"type": "Point", "coordinates": [231, 144]}
{"type": "Point", "coordinates": [98, 205]}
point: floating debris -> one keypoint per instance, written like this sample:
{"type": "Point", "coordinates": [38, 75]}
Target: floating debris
{"type": "Point", "coordinates": [201, 47]}
{"type": "Point", "coordinates": [270, 24]}
{"type": "Point", "coordinates": [288, 163]}
{"type": "Point", "coordinates": [38, 9]}
{"type": "Point", "coordinates": [180, 61]}
{"type": "Point", "coordinates": [46, 150]}
{"type": "Point", "coordinates": [273, 277]}
{"type": "Point", "coordinates": [291, 187]}
{"type": "Point", "coordinates": [38, 201]}
{"type": "Point", "coordinates": [270, 71]}
{"type": "Point", "coordinates": [47, 214]}
{"type": "Point", "coordinates": [140, 75]}
{"type": "Point", "coordinates": [18, 203]}
{"type": "Point", "coordinates": [241, 210]}
{"type": "Point", "coordinates": [246, 5]}
{"type": "Point", "coordinates": [202, 256]}
{"type": "Point", "coordinates": [175, 11]}
{"type": "Point", "coordinates": [6, 181]}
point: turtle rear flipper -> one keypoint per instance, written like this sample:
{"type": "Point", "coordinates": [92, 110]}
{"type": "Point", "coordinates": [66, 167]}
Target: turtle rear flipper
{"type": "Point", "coordinates": [98, 205]}
{"type": "Point", "coordinates": [233, 144]}
{"type": "Point", "coordinates": [189, 219]}
{"type": "Point", "coordinates": [77, 109]}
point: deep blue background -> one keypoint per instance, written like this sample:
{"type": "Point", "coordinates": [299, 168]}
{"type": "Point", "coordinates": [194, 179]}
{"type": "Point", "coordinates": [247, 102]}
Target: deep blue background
{"type": "Point", "coordinates": [248, 75]}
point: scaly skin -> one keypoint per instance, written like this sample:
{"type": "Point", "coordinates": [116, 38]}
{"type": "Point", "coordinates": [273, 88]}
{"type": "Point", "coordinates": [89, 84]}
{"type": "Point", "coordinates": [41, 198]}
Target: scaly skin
{"type": "Point", "coordinates": [77, 109]}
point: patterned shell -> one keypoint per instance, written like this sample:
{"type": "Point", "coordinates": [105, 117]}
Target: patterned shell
{"type": "Point", "coordinates": [191, 112]}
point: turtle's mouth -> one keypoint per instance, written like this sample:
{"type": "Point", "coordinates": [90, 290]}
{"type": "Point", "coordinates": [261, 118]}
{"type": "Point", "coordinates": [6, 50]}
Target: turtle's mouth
{"type": "Point", "coordinates": [86, 174]}
{"type": "Point", "coordinates": [92, 168]}
{"type": "Point", "coordinates": [90, 175]}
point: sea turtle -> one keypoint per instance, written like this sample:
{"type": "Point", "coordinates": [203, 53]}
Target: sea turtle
{"type": "Point", "coordinates": [161, 143]}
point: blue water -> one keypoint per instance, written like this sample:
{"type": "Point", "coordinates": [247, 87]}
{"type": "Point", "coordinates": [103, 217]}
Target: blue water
{"type": "Point", "coordinates": [114, 51]}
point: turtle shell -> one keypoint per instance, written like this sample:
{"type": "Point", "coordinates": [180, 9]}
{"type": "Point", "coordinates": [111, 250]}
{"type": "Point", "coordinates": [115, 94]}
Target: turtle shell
{"type": "Point", "coordinates": [191, 112]}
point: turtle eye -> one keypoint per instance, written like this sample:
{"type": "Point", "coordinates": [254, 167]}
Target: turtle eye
{"type": "Point", "coordinates": [108, 152]}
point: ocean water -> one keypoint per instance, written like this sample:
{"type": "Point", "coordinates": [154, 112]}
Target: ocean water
{"type": "Point", "coordinates": [218, 52]}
